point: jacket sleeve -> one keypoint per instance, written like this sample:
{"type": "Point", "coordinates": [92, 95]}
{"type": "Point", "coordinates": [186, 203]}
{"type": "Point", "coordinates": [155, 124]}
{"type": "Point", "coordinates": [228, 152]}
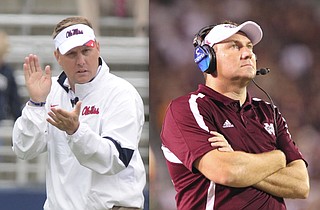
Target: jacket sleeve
{"type": "Point", "coordinates": [111, 151]}
{"type": "Point", "coordinates": [29, 131]}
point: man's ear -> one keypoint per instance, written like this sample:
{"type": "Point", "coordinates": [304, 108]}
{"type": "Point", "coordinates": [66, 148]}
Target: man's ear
{"type": "Point", "coordinates": [98, 45]}
{"type": "Point", "coordinates": [57, 55]}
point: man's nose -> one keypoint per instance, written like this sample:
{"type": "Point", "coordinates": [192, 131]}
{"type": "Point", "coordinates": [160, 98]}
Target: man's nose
{"type": "Point", "coordinates": [80, 59]}
{"type": "Point", "coordinates": [246, 53]}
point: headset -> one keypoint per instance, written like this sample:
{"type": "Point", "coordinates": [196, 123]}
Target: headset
{"type": "Point", "coordinates": [204, 55]}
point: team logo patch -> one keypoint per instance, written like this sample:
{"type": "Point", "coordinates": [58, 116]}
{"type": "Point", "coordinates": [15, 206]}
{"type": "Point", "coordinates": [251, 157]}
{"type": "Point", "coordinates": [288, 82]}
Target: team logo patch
{"type": "Point", "coordinates": [199, 54]}
{"type": "Point", "coordinates": [270, 128]}
{"type": "Point", "coordinates": [87, 110]}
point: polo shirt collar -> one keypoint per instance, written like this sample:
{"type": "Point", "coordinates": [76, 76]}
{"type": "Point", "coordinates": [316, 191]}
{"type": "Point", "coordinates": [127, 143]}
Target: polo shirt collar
{"type": "Point", "coordinates": [218, 97]}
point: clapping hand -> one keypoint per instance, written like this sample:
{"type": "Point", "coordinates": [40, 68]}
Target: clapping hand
{"type": "Point", "coordinates": [64, 120]}
{"type": "Point", "coordinates": [38, 82]}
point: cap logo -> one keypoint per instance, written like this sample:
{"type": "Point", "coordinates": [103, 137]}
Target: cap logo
{"type": "Point", "coordinates": [229, 26]}
{"type": "Point", "coordinates": [90, 43]}
{"type": "Point", "coordinates": [207, 42]}
{"type": "Point", "coordinates": [73, 32]}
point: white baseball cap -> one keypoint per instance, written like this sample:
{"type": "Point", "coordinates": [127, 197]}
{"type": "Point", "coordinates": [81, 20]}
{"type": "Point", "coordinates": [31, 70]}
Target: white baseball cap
{"type": "Point", "coordinates": [74, 36]}
{"type": "Point", "coordinates": [224, 31]}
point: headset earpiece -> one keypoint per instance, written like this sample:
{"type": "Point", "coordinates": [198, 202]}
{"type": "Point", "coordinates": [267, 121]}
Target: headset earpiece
{"type": "Point", "coordinates": [204, 55]}
{"type": "Point", "coordinates": [205, 58]}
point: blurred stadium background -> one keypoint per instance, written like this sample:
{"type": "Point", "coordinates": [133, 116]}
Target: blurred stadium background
{"type": "Point", "coordinates": [290, 48]}
{"type": "Point", "coordinates": [121, 27]}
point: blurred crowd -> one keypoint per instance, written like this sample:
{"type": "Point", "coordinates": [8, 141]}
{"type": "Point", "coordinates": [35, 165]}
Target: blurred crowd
{"type": "Point", "coordinates": [290, 48]}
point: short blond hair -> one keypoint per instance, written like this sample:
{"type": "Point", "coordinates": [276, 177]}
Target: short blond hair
{"type": "Point", "coordinates": [69, 22]}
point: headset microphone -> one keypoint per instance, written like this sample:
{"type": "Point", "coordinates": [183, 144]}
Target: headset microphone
{"type": "Point", "coordinates": [263, 71]}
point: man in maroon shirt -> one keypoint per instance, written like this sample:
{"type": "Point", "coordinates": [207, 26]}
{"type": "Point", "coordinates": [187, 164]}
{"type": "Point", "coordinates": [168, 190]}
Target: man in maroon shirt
{"type": "Point", "coordinates": [224, 149]}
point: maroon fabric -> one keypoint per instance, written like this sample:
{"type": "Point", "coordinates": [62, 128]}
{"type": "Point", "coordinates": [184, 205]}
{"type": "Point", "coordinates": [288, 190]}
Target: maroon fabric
{"type": "Point", "coordinates": [248, 128]}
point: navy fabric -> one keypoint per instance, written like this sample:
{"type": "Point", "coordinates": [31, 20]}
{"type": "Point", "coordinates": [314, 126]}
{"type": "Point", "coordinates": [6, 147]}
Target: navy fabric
{"type": "Point", "coordinates": [125, 154]}
{"type": "Point", "coordinates": [10, 101]}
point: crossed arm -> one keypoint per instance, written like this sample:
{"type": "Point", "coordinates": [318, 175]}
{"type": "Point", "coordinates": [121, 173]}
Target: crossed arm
{"type": "Point", "coordinates": [266, 171]}
{"type": "Point", "coordinates": [291, 181]}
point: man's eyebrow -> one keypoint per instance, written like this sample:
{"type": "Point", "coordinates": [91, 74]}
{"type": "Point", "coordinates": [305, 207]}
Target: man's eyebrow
{"type": "Point", "coordinates": [249, 43]}
{"type": "Point", "coordinates": [236, 41]}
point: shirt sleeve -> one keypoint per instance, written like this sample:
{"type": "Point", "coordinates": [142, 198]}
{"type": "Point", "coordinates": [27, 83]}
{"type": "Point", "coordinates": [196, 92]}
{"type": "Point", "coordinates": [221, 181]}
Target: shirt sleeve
{"type": "Point", "coordinates": [29, 133]}
{"type": "Point", "coordinates": [185, 131]}
{"type": "Point", "coordinates": [285, 142]}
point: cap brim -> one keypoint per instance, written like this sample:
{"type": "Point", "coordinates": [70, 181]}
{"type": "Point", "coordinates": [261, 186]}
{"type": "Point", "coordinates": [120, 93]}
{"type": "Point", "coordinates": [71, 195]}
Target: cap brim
{"type": "Point", "coordinates": [73, 36]}
{"type": "Point", "coordinates": [252, 30]}
{"type": "Point", "coordinates": [224, 31]}
{"type": "Point", "coordinates": [72, 43]}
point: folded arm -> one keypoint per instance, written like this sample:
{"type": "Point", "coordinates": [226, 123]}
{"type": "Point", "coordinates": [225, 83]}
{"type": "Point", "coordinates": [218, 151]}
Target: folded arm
{"type": "Point", "coordinates": [239, 169]}
{"type": "Point", "coordinates": [291, 181]}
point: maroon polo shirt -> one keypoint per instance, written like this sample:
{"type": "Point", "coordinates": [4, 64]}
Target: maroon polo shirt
{"type": "Point", "coordinates": [249, 128]}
